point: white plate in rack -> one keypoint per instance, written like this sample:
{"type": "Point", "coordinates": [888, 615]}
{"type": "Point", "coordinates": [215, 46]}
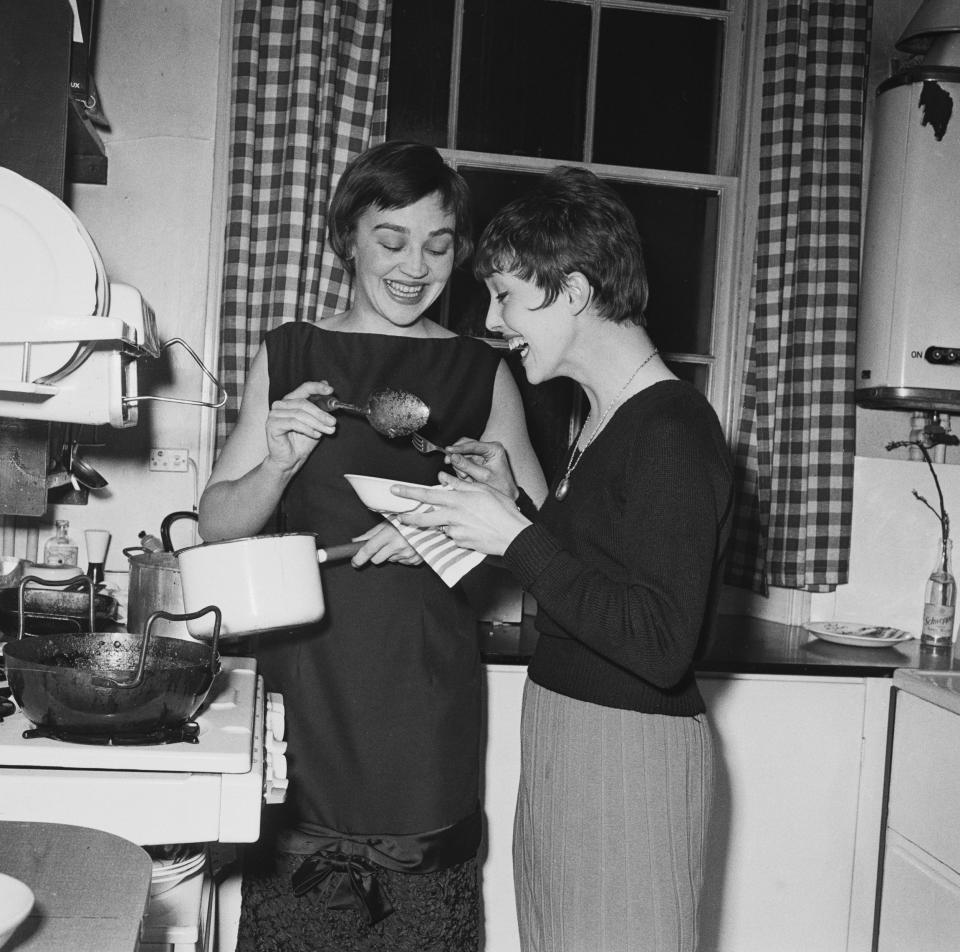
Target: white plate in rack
{"type": "Point", "coordinates": [856, 635]}
{"type": "Point", "coordinates": [51, 266]}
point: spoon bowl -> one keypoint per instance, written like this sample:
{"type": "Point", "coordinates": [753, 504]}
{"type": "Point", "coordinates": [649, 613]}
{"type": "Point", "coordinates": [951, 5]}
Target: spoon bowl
{"type": "Point", "coordinates": [392, 413]}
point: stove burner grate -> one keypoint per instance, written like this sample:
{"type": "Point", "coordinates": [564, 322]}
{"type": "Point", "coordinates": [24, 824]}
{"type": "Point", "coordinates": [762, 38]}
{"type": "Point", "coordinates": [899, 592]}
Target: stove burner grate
{"type": "Point", "coordinates": [187, 733]}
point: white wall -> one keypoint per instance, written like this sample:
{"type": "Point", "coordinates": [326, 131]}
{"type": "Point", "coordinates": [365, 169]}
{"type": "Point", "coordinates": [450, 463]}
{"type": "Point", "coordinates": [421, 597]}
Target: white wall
{"type": "Point", "coordinates": [156, 66]}
{"type": "Point", "coordinates": [894, 543]}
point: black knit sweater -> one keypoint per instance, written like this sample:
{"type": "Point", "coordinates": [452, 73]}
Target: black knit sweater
{"type": "Point", "coordinates": [627, 568]}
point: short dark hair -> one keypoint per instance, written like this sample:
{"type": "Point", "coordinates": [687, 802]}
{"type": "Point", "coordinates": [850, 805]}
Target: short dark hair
{"type": "Point", "coordinates": [570, 221]}
{"type": "Point", "coordinates": [396, 174]}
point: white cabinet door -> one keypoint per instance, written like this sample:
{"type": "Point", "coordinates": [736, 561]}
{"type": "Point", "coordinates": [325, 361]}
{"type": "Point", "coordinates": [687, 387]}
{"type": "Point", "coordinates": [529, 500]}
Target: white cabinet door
{"type": "Point", "coordinates": [921, 901]}
{"type": "Point", "coordinates": [794, 849]}
{"type": "Point", "coordinates": [794, 852]}
{"type": "Point", "coordinates": [925, 778]}
{"type": "Point", "coordinates": [501, 777]}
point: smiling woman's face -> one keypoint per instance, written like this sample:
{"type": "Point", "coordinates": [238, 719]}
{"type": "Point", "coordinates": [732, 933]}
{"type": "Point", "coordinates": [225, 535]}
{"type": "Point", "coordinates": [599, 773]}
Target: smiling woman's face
{"type": "Point", "coordinates": [403, 258]}
{"type": "Point", "coordinates": [541, 334]}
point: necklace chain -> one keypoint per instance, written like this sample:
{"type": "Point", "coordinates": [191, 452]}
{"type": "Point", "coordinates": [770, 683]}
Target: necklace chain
{"type": "Point", "coordinates": [577, 454]}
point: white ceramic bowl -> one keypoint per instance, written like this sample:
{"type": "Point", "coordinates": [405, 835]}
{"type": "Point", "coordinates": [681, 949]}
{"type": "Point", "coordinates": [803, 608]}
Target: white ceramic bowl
{"type": "Point", "coordinates": [16, 901]}
{"type": "Point", "coordinates": [54, 573]}
{"type": "Point", "coordinates": [374, 493]}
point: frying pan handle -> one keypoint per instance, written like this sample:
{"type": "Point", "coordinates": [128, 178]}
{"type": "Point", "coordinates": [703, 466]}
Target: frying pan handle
{"type": "Point", "coordinates": [81, 580]}
{"type": "Point", "coordinates": [101, 681]}
{"type": "Point", "coordinates": [189, 616]}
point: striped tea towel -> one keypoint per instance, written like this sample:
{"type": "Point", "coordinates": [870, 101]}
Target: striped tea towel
{"type": "Point", "coordinates": [449, 560]}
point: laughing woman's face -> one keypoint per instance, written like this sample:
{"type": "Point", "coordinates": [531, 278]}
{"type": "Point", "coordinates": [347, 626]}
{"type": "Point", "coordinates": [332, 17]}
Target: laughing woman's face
{"type": "Point", "coordinates": [403, 258]}
{"type": "Point", "coordinates": [540, 334]}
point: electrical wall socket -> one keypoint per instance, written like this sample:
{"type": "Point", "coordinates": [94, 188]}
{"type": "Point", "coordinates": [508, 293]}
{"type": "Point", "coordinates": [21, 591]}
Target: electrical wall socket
{"type": "Point", "coordinates": [165, 460]}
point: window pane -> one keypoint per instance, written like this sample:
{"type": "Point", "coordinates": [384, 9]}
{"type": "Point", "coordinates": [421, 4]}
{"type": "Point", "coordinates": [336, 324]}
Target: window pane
{"type": "Point", "coordinates": [548, 406]}
{"type": "Point", "coordinates": [523, 78]}
{"type": "Point", "coordinates": [697, 374]}
{"type": "Point", "coordinates": [420, 47]}
{"type": "Point", "coordinates": [658, 91]}
{"type": "Point", "coordinates": [679, 231]}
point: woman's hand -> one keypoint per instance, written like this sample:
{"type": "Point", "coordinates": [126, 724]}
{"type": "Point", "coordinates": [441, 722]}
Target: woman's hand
{"type": "Point", "coordinates": [295, 425]}
{"type": "Point", "coordinates": [486, 463]}
{"type": "Point", "coordinates": [471, 513]}
{"type": "Point", "coordinates": [384, 543]}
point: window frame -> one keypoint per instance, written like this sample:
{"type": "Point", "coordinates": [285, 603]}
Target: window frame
{"type": "Point", "coordinates": [735, 183]}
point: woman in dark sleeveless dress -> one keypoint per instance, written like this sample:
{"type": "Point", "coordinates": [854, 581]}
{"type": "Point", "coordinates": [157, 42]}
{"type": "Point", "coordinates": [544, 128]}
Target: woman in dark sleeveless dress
{"type": "Point", "coordinates": [376, 846]}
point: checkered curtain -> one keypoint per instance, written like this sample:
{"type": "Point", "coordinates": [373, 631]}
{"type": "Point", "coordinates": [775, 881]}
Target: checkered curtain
{"type": "Point", "coordinates": [309, 93]}
{"type": "Point", "coordinates": [795, 447]}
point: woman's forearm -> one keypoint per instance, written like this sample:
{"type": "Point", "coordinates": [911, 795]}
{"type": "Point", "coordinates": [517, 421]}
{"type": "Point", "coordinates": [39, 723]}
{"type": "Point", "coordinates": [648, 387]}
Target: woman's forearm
{"type": "Point", "coordinates": [234, 508]}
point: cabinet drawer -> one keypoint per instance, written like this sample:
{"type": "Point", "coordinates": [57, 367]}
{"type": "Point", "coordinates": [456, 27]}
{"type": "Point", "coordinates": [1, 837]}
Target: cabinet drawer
{"type": "Point", "coordinates": [925, 777]}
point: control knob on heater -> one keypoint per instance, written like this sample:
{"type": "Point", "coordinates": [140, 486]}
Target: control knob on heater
{"type": "Point", "coordinates": [275, 781]}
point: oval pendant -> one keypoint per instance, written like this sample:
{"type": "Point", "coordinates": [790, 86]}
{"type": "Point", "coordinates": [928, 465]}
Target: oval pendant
{"type": "Point", "coordinates": [562, 488]}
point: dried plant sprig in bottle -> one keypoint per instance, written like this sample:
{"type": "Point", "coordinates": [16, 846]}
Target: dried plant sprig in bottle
{"type": "Point", "coordinates": [940, 591]}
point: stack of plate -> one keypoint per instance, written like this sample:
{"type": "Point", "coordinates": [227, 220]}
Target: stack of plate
{"type": "Point", "coordinates": [168, 873]}
{"type": "Point", "coordinates": [51, 268]}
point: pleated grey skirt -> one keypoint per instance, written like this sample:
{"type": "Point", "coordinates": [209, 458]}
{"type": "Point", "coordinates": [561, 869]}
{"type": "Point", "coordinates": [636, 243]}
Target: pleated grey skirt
{"type": "Point", "coordinates": [610, 828]}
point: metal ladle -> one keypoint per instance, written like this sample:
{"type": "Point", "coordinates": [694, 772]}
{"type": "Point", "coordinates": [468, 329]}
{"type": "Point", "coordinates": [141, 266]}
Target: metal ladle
{"type": "Point", "coordinates": [392, 413]}
{"type": "Point", "coordinates": [78, 468]}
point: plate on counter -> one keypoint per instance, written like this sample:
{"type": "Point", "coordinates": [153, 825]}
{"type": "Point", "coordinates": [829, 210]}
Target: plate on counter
{"type": "Point", "coordinates": [859, 636]}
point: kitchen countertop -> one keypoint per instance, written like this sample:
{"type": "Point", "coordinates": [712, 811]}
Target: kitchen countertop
{"type": "Point", "coordinates": [745, 645]}
{"type": "Point", "coordinates": [939, 687]}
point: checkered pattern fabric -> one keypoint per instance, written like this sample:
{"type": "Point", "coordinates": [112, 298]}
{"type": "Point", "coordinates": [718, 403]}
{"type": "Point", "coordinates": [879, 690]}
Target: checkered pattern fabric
{"type": "Point", "coordinates": [796, 446]}
{"type": "Point", "coordinates": [309, 93]}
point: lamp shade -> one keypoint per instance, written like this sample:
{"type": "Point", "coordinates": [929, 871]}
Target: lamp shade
{"type": "Point", "coordinates": [932, 19]}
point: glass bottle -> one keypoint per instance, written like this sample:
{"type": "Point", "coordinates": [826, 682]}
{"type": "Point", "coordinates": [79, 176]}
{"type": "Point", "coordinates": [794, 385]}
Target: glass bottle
{"type": "Point", "coordinates": [940, 600]}
{"type": "Point", "coordinates": [60, 549]}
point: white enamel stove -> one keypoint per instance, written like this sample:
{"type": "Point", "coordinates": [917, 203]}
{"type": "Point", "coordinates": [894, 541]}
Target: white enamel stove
{"type": "Point", "coordinates": [211, 791]}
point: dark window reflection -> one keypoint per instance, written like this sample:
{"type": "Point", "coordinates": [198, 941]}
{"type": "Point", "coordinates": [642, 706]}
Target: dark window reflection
{"type": "Point", "coordinates": [523, 78]}
{"type": "Point", "coordinates": [679, 231]}
{"type": "Point", "coordinates": [697, 374]}
{"type": "Point", "coordinates": [548, 406]}
{"type": "Point", "coordinates": [420, 50]}
{"type": "Point", "coordinates": [658, 91]}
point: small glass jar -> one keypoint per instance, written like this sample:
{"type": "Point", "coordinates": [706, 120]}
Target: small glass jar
{"type": "Point", "coordinates": [60, 548]}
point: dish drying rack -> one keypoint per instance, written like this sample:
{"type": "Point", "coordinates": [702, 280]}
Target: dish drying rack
{"type": "Point", "coordinates": [98, 384]}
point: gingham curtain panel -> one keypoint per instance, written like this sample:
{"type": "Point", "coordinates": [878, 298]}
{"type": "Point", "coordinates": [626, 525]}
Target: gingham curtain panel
{"type": "Point", "coordinates": [309, 93]}
{"type": "Point", "coordinates": [795, 445]}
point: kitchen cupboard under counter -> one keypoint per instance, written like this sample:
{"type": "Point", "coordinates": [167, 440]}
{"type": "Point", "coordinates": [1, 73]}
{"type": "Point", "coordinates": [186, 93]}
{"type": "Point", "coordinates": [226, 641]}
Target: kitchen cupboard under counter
{"type": "Point", "coordinates": [919, 906]}
{"type": "Point", "coordinates": [801, 727]}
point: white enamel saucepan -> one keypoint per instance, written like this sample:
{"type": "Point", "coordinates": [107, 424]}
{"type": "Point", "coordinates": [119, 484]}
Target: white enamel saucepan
{"type": "Point", "coordinates": [261, 583]}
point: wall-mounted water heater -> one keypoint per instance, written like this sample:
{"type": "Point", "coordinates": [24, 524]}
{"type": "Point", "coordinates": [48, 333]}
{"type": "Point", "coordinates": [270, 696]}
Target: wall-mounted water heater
{"type": "Point", "coordinates": [908, 340]}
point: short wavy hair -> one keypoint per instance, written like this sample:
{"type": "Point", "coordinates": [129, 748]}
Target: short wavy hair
{"type": "Point", "coordinates": [396, 174]}
{"type": "Point", "coordinates": [570, 221]}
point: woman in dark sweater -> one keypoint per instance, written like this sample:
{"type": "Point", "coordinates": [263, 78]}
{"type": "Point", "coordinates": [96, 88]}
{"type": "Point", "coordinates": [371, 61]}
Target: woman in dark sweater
{"type": "Point", "coordinates": [624, 561]}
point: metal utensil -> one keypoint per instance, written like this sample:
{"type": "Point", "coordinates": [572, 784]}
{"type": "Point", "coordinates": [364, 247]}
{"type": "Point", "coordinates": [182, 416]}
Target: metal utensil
{"type": "Point", "coordinates": [422, 445]}
{"type": "Point", "coordinates": [390, 412]}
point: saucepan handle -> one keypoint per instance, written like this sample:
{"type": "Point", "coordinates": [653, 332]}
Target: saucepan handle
{"type": "Point", "coordinates": [337, 553]}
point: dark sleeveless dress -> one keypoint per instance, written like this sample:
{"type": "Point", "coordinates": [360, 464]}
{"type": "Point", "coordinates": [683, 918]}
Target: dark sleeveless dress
{"type": "Point", "coordinates": [382, 697]}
